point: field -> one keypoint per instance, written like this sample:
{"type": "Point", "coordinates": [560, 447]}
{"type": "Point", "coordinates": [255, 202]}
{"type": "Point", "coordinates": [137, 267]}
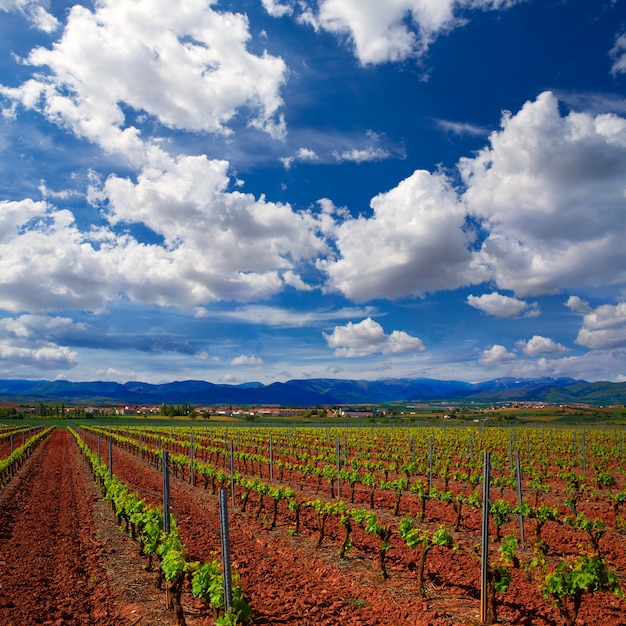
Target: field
{"type": "Point", "coordinates": [328, 525]}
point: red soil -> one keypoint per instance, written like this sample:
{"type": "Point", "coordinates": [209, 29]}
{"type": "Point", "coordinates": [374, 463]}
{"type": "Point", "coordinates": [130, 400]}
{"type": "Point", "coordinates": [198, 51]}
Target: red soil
{"type": "Point", "coordinates": [63, 561]}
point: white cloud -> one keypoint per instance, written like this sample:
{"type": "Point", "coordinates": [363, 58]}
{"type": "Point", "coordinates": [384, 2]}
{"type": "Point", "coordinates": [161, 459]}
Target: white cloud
{"type": "Point", "coordinates": [288, 318]}
{"type": "Point", "coordinates": [362, 156]}
{"type": "Point", "coordinates": [496, 355]}
{"type": "Point", "coordinates": [306, 154]}
{"type": "Point", "coordinates": [36, 11]}
{"type": "Point", "coordinates": [462, 128]}
{"type": "Point", "coordinates": [577, 305]}
{"type": "Point", "coordinates": [247, 360]}
{"type": "Point", "coordinates": [390, 31]}
{"type": "Point", "coordinates": [503, 306]}
{"type": "Point", "coordinates": [48, 264]}
{"type": "Point", "coordinates": [218, 245]}
{"type": "Point", "coordinates": [39, 327]}
{"type": "Point", "coordinates": [303, 154]}
{"type": "Point", "coordinates": [189, 69]}
{"type": "Point", "coordinates": [550, 190]}
{"type": "Point", "coordinates": [46, 357]}
{"type": "Point", "coordinates": [604, 327]}
{"type": "Point", "coordinates": [295, 280]}
{"type": "Point", "coordinates": [276, 8]}
{"type": "Point", "coordinates": [538, 346]}
{"type": "Point", "coordinates": [618, 55]}
{"type": "Point", "coordinates": [415, 242]}
{"type": "Point", "coordinates": [32, 341]}
{"type": "Point", "coordinates": [368, 337]}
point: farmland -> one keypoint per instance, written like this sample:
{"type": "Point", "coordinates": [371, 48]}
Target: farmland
{"type": "Point", "coordinates": [370, 524]}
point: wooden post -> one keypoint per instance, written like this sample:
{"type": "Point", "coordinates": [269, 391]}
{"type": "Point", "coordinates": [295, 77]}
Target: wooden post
{"type": "Point", "coordinates": [166, 493]}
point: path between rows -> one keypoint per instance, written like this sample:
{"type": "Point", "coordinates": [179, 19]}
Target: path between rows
{"type": "Point", "coordinates": [63, 561]}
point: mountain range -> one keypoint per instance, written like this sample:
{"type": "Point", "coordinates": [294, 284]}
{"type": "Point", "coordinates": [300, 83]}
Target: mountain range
{"type": "Point", "coordinates": [315, 392]}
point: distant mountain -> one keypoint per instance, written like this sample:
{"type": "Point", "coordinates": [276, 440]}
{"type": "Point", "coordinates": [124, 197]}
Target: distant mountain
{"type": "Point", "coordinates": [316, 391]}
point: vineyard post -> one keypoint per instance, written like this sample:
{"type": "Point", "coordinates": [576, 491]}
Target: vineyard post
{"type": "Point", "coordinates": [511, 453]}
{"type": "Point", "coordinates": [338, 453]}
{"type": "Point", "coordinates": [583, 454]}
{"type": "Point", "coordinates": [519, 500]}
{"type": "Point", "coordinates": [271, 457]}
{"type": "Point", "coordinates": [90, 441]}
{"type": "Point", "coordinates": [166, 493]}
{"type": "Point", "coordinates": [430, 463]}
{"type": "Point", "coordinates": [471, 449]}
{"type": "Point", "coordinates": [98, 448]}
{"type": "Point", "coordinates": [110, 459]}
{"type": "Point", "coordinates": [484, 558]}
{"type": "Point", "coordinates": [226, 569]}
{"type": "Point", "coordinates": [191, 470]}
{"type": "Point", "coordinates": [232, 470]}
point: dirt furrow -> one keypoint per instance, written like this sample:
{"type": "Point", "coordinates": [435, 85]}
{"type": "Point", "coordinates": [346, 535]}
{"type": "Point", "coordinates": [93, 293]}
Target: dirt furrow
{"type": "Point", "coordinates": [60, 546]}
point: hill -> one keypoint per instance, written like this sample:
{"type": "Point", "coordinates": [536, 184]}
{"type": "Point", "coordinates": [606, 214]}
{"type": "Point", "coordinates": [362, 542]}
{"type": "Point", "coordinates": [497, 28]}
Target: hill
{"type": "Point", "coordinates": [317, 391]}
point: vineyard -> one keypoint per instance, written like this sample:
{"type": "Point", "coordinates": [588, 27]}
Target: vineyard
{"type": "Point", "coordinates": [372, 525]}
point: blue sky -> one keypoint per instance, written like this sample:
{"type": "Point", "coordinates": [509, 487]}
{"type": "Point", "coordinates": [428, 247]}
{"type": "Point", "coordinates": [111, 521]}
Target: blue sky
{"type": "Point", "coordinates": [276, 189]}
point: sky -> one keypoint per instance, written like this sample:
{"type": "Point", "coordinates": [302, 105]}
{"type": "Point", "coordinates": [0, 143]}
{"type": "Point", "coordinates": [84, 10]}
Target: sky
{"type": "Point", "coordinates": [265, 190]}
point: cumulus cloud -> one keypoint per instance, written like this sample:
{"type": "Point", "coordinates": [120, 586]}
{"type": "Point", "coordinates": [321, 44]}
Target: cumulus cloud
{"type": "Point", "coordinates": [503, 306]}
{"type": "Point", "coordinates": [539, 346]}
{"type": "Point", "coordinates": [246, 360]}
{"type": "Point", "coordinates": [35, 11]}
{"type": "Point", "coordinates": [496, 355]}
{"type": "Point", "coordinates": [578, 305]}
{"type": "Point", "coordinates": [39, 327]}
{"type": "Point", "coordinates": [295, 280]}
{"type": "Point", "coordinates": [550, 192]}
{"type": "Point", "coordinates": [276, 8]}
{"type": "Point", "coordinates": [31, 340]}
{"type": "Point", "coordinates": [189, 69]}
{"type": "Point", "coordinates": [368, 337]}
{"type": "Point", "coordinates": [44, 357]}
{"type": "Point", "coordinates": [303, 154]}
{"type": "Point", "coordinates": [217, 245]}
{"type": "Point", "coordinates": [49, 264]}
{"type": "Point", "coordinates": [603, 327]}
{"type": "Point", "coordinates": [417, 242]}
{"type": "Point", "coordinates": [390, 31]}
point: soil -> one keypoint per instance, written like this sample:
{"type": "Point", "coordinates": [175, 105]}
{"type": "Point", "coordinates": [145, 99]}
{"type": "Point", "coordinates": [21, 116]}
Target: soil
{"type": "Point", "coordinates": [65, 562]}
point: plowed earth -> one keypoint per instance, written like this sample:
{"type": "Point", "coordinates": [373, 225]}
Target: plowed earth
{"type": "Point", "coordinates": [64, 561]}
